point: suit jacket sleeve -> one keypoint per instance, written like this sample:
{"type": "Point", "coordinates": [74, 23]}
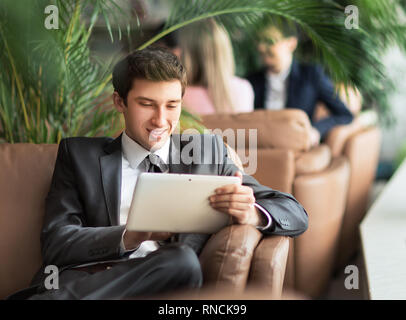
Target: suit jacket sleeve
{"type": "Point", "coordinates": [340, 114]}
{"type": "Point", "coordinates": [289, 218]}
{"type": "Point", "coordinates": [65, 238]}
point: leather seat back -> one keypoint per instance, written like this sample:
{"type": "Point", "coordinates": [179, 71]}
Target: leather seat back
{"type": "Point", "coordinates": [285, 129]}
{"type": "Point", "coordinates": [25, 177]}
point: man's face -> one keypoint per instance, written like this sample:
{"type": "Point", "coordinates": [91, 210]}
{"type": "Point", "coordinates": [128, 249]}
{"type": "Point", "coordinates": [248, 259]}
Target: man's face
{"type": "Point", "coordinates": [152, 111]}
{"type": "Point", "coordinates": [276, 55]}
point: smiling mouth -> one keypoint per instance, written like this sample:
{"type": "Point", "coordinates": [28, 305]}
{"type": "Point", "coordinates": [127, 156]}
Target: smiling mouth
{"type": "Point", "coordinates": [156, 134]}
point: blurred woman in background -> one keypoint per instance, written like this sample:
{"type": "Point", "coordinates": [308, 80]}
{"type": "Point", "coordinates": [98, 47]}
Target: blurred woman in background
{"type": "Point", "coordinates": [207, 54]}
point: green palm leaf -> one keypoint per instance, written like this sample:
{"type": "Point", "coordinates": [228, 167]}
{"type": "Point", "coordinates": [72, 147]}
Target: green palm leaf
{"type": "Point", "coordinates": [322, 21]}
{"type": "Point", "coordinates": [51, 86]}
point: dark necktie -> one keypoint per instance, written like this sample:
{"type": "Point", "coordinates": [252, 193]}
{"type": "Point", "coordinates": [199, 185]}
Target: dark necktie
{"type": "Point", "coordinates": [154, 163]}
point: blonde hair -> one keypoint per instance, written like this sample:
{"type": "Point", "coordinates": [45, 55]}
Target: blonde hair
{"type": "Point", "coordinates": [207, 55]}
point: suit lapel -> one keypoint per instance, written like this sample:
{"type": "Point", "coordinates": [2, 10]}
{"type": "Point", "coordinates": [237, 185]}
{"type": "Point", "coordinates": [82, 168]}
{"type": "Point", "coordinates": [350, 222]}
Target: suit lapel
{"type": "Point", "coordinates": [262, 90]}
{"type": "Point", "coordinates": [110, 165]}
{"type": "Point", "coordinates": [293, 80]}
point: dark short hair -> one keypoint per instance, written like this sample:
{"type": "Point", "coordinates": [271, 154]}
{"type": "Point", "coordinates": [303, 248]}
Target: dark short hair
{"type": "Point", "coordinates": [153, 63]}
{"type": "Point", "coordinates": [171, 40]}
{"type": "Point", "coordinates": [285, 28]}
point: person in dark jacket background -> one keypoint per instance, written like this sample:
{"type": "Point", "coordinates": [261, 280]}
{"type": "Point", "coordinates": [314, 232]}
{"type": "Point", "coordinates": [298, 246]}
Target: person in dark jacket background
{"type": "Point", "coordinates": [286, 83]}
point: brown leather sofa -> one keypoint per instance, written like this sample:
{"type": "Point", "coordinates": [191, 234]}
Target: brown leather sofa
{"type": "Point", "coordinates": [237, 257]}
{"type": "Point", "coordinates": [360, 144]}
{"type": "Point", "coordinates": [317, 178]}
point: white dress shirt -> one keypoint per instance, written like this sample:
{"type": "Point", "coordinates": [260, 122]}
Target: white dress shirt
{"type": "Point", "coordinates": [276, 91]}
{"type": "Point", "coordinates": [132, 156]}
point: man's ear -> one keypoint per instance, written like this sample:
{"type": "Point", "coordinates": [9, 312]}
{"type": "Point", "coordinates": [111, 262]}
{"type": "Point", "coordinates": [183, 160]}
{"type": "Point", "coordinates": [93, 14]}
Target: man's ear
{"type": "Point", "coordinates": [292, 42]}
{"type": "Point", "coordinates": [119, 102]}
{"type": "Point", "coordinates": [177, 51]}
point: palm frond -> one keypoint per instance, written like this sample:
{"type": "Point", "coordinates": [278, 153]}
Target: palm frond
{"type": "Point", "coordinates": [321, 21]}
{"type": "Point", "coordinates": [54, 84]}
{"type": "Point", "coordinates": [52, 87]}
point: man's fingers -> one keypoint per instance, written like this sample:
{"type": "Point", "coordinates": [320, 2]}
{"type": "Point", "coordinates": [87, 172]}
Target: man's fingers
{"type": "Point", "coordinates": [233, 188]}
{"type": "Point", "coordinates": [236, 200]}
{"type": "Point", "coordinates": [230, 187]}
{"type": "Point", "coordinates": [232, 205]}
{"type": "Point", "coordinates": [241, 216]}
{"type": "Point", "coordinates": [236, 197]}
{"type": "Point", "coordinates": [238, 174]}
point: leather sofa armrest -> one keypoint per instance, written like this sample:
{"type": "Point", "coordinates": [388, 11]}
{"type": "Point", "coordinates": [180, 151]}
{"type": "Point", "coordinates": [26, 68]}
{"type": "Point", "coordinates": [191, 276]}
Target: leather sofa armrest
{"type": "Point", "coordinates": [287, 128]}
{"type": "Point", "coordinates": [339, 135]}
{"type": "Point", "coordinates": [315, 160]}
{"type": "Point", "coordinates": [269, 264]}
{"type": "Point", "coordinates": [226, 257]}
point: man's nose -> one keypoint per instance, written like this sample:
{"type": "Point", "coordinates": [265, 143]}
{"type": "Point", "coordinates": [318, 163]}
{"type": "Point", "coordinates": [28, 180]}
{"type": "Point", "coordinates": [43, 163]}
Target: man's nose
{"type": "Point", "coordinates": [159, 117]}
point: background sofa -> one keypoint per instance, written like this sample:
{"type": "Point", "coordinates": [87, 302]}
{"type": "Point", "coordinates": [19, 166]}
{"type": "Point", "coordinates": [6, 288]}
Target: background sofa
{"type": "Point", "coordinates": [325, 179]}
{"type": "Point", "coordinates": [360, 143]}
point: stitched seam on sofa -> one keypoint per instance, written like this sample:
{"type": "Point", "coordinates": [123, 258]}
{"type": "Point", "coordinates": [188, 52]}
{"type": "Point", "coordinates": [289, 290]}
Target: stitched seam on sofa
{"type": "Point", "coordinates": [257, 259]}
{"type": "Point", "coordinates": [245, 246]}
{"type": "Point", "coordinates": [252, 267]}
{"type": "Point", "coordinates": [274, 263]}
{"type": "Point", "coordinates": [270, 263]}
{"type": "Point", "coordinates": [224, 257]}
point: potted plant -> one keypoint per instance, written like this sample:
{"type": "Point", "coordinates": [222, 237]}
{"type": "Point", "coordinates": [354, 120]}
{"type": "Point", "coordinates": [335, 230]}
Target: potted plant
{"type": "Point", "coordinates": [51, 86]}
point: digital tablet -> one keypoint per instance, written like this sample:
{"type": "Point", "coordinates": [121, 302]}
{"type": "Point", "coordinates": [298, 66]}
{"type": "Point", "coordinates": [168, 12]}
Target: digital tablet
{"type": "Point", "coordinates": [177, 203]}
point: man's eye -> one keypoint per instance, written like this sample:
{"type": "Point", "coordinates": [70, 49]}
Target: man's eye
{"type": "Point", "coordinates": [172, 107]}
{"type": "Point", "coordinates": [146, 104]}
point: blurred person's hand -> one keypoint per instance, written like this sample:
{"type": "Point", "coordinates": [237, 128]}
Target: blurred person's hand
{"type": "Point", "coordinates": [314, 137]}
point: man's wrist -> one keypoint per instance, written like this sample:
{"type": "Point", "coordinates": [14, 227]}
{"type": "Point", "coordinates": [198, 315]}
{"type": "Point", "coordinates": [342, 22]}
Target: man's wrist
{"type": "Point", "coordinates": [265, 219]}
{"type": "Point", "coordinates": [125, 245]}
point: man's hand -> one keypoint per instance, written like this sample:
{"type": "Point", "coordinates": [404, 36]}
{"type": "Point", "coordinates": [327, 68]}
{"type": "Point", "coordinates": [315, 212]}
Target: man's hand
{"type": "Point", "coordinates": [238, 201]}
{"type": "Point", "coordinates": [132, 239]}
{"type": "Point", "coordinates": [314, 137]}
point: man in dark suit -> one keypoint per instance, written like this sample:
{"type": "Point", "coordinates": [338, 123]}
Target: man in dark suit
{"type": "Point", "coordinates": [84, 232]}
{"type": "Point", "coordinates": [285, 83]}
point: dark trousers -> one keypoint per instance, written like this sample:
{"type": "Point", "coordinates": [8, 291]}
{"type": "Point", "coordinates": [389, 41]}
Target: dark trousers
{"type": "Point", "coordinates": [171, 267]}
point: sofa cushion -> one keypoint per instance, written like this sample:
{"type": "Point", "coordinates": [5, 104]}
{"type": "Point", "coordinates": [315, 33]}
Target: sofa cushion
{"type": "Point", "coordinates": [25, 177]}
{"type": "Point", "coordinates": [286, 129]}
